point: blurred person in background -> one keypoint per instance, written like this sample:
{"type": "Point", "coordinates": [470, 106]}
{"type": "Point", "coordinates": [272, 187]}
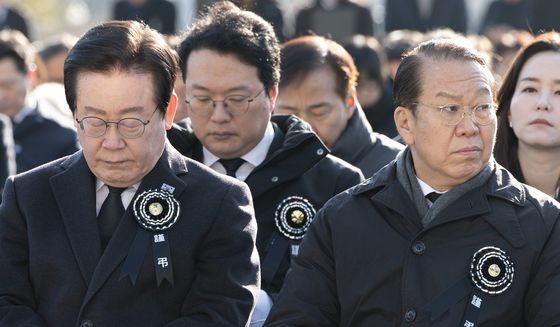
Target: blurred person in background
{"type": "Point", "coordinates": [158, 14]}
{"type": "Point", "coordinates": [397, 43]}
{"type": "Point", "coordinates": [7, 154]}
{"type": "Point", "coordinates": [10, 18]}
{"type": "Point", "coordinates": [374, 89]}
{"type": "Point", "coordinates": [507, 15]}
{"type": "Point", "coordinates": [53, 51]}
{"type": "Point", "coordinates": [40, 135]}
{"type": "Point", "coordinates": [337, 19]}
{"type": "Point", "coordinates": [424, 15]}
{"type": "Point", "coordinates": [50, 91]}
{"type": "Point", "coordinates": [506, 47]}
{"type": "Point", "coordinates": [267, 9]}
{"type": "Point", "coordinates": [528, 138]}
{"type": "Point", "coordinates": [318, 80]}
{"type": "Point", "coordinates": [545, 15]}
{"type": "Point", "coordinates": [181, 113]}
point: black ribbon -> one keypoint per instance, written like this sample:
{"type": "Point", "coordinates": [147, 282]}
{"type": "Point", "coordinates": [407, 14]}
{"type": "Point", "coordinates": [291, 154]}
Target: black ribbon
{"type": "Point", "coordinates": [137, 253]}
{"type": "Point", "coordinates": [162, 259]}
{"type": "Point", "coordinates": [474, 306]}
{"type": "Point", "coordinates": [451, 296]}
{"type": "Point", "coordinates": [275, 253]}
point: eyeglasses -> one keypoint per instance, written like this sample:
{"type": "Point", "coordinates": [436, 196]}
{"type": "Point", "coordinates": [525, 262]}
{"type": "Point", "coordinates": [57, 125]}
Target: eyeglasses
{"type": "Point", "coordinates": [236, 105]}
{"type": "Point", "coordinates": [452, 114]}
{"type": "Point", "coordinates": [129, 128]}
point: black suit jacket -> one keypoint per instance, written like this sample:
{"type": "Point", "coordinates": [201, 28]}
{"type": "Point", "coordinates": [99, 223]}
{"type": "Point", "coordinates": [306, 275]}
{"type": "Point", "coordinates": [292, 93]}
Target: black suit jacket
{"type": "Point", "coordinates": [297, 169]}
{"type": "Point", "coordinates": [54, 274]}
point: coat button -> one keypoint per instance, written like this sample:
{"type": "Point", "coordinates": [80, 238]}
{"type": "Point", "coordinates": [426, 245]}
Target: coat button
{"type": "Point", "coordinates": [274, 179]}
{"type": "Point", "coordinates": [410, 315]}
{"type": "Point", "coordinates": [320, 152]}
{"type": "Point", "coordinates": [86, 323]}
{"type": "Point", "coordinates": [418, 248]}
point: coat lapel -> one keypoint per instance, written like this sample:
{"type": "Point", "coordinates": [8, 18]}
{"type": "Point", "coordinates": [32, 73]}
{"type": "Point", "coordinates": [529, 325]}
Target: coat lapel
{"type": "Point", "coordinates": [74, 191]}
{"type": "Point", "coordinates": [166, 171]}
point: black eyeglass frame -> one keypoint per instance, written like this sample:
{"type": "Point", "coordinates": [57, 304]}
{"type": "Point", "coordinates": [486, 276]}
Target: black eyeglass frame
{"type": "Point", "coordinates": [249, 100]}
{"type": "Point", "coordinates": [117, 123]}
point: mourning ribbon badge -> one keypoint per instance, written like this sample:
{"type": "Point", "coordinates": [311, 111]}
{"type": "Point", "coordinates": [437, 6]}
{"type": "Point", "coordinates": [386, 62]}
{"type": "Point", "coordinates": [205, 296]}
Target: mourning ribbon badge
{"type": "Point", "coordinates": [156, 211]}
{"type": "Point", "coordinates": [491, 273]}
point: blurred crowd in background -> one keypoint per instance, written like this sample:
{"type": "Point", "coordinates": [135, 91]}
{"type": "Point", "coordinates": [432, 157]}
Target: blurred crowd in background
{"type": "Point", "coordinates": [375, 32]}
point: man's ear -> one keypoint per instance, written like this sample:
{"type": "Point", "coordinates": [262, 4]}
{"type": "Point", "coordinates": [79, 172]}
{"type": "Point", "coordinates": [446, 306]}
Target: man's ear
{"type": "Point", "coordinates": [272, 95]}
{"type": "Point", "coordinates": [350, 103]}
{"type": "Point", "coordinates": [170, 111]}
{"type": "Point", "coordinates": [404, 121]}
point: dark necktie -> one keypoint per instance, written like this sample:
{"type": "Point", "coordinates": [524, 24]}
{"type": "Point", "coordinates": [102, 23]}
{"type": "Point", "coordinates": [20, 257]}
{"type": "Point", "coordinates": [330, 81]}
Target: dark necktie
{"type": "Point", "coordinates": [433, 196]}
{"type": "Point", "coordinates": [231, 165]}
{"type": "Point", "coordinates": [110, 214]}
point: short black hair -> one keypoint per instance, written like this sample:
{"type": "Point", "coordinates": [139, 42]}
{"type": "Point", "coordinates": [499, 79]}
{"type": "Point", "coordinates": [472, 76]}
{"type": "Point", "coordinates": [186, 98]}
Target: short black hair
{"type": "Point", "coordinates": [408, 79]}
{"type": "Point", "coordinates": [226, 29]}
{"type": "Point", "coordinates": [305, 54]}
{"type": "Point", "coordinates": [122, 46]}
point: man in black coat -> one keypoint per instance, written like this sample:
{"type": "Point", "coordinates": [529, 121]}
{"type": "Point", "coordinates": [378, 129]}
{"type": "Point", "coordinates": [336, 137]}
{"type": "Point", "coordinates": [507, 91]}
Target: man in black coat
{"type": "Point", "coordinates": [39, 135]}
{"type": "Point", "coordinates": [231, 79]}
{"type": "Point", "coordinates": [318, 84]}
{"type": "Point", "coordinates": [443, 236]}
{"type": "Point", "coordinates": [126, 232]}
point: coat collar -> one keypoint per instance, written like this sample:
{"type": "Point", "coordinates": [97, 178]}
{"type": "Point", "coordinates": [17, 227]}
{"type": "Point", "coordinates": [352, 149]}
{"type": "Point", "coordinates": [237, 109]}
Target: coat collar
{"type": "Point", "coordinates": [382, 187]}
{"type": "Point", "coordinates": [356, 139]}
{"type": "Point", "coordinates": [78, 213]}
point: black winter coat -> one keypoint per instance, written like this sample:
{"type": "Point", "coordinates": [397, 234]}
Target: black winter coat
{"type": "Point", "coordinates": [297, 176]}
{"type": "Point", "coordinates": [362, 147]}
{"type": "Point", "coordinates": [366, 260]}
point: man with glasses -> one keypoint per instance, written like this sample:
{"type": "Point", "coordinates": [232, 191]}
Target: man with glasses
{"type": "Point", "coordinates": [126, 232]}
{"type": "Point", "coordinates": [443, 236]}
{"type": "Point", "coordinates": [230, 61]}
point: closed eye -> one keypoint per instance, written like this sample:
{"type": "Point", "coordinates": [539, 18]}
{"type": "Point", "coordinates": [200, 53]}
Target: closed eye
{"type": "Point", "coordinates": [450, 108]}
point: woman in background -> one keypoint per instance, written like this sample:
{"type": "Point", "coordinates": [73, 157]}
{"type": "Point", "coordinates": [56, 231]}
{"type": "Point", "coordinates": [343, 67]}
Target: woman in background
{"type": "Point", "coordinates": [528, 136]}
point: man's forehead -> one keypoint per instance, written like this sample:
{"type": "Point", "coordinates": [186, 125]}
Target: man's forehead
{"type": "Point", "coordinates": [456, 79]}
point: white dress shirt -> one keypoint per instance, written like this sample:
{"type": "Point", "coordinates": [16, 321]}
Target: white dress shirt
{"type": "Point", "coordinates": [252, 158]}
{"type": "Point", "coordinates": [427, 189]}
{"type": "Point", "coordinates": [101, 192]}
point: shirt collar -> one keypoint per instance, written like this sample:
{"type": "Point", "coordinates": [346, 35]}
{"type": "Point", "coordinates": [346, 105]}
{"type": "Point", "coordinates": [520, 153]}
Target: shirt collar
{"type": "Point", "coordinates": [426, 189]}
{"type": "Point", "coordinates": [255, 157]}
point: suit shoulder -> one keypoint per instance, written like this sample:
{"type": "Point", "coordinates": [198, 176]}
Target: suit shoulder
{"type": "Point", "coordinates": [43, 172]}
